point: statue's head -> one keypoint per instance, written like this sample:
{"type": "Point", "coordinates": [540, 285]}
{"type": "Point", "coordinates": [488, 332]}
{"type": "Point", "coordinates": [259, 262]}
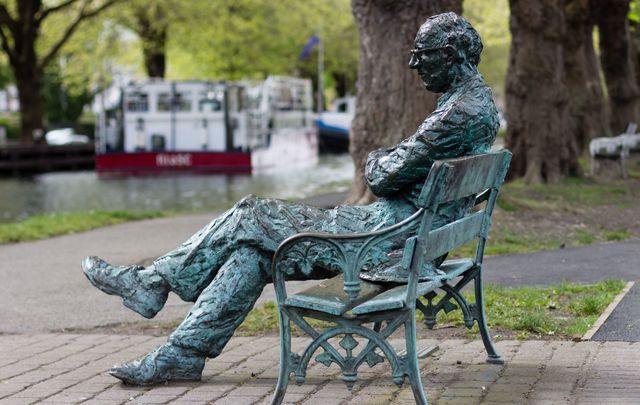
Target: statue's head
{"type": "Point", "coordinates": [444, 44]}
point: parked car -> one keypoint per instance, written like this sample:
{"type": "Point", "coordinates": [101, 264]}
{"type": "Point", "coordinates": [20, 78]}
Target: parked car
{"type": "Point", "coordinates": [65, 136]}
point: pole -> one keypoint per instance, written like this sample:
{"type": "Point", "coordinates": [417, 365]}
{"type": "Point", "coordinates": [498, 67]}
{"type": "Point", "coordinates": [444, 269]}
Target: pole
{"type": "Point", "coordinates": [173, 115]}
{"type": "Point", "coordinates": [320, 70]}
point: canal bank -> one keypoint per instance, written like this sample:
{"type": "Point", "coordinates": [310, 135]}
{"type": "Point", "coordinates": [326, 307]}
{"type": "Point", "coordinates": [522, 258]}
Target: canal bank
{"type": "Point", "coordinates": [85, 190]}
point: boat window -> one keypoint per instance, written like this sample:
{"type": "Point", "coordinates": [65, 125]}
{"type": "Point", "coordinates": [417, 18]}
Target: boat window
{"type": "Point", "coordinates": [288, 97]}
{"type": "Point", "coordinates": [283, 99]}
{"type": "Point", "coordinates": [182, 102]}
{"type": "Point", "coordinates": [342, 107]}
{"type": "Point", "coordinates": [210, 101]}
{"type": "Point", "coordinates": [242, 99]}
{"type": "Point", "coordinates": [137, 102]}
{"type": "Point", "coordinates": [164, 102]}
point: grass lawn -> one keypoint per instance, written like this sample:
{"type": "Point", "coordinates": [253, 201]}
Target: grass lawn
{"type": "Point", "coordinates": [46, 226]}
{"type": "Point", "coordinates": [575, 212]}
{"type": "Point", "coordinates": [559, 312]}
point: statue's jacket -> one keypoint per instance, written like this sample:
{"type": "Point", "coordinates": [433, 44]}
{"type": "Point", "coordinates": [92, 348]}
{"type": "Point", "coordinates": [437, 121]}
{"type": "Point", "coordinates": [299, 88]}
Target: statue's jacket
{"type": "Point", "coordinates": [465, 122]}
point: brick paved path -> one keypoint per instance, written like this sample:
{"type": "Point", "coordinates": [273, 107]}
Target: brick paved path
{"type": "Point", "coordinates": [69, 369]}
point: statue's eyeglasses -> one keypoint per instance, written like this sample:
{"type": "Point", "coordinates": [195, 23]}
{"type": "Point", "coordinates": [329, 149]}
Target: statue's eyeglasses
{"type": "Point", "coordinates": [422, 51]}
{"type": "Point", "coordinates": [418, 52]}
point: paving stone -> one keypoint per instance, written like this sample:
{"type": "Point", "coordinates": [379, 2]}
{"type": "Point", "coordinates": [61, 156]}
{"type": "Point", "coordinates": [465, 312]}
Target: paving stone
{"type": "Point", "coordinates": [237, 400]}
{"type": "Point", "coordinates": [69, 369]}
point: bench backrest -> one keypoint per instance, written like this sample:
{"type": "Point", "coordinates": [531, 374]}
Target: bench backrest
{"type": "Point", "coordinates": [452, 180]}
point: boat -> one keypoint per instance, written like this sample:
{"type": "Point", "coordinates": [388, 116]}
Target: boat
{"type": "Point", "coordinates": [334, 125]}
{"type": "Point", "coordinates": [208, 127]}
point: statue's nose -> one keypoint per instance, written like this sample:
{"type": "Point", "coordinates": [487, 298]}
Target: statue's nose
{"type": "Point", "coordinates": [414, 61]}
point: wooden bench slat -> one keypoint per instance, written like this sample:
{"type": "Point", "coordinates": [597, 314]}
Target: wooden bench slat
{"type": "Point", "coordinates": [454, 268]}
{"type": "Point", "coordinates": [393, 298]}
{"type": "Point", "coordinates": [446, 238]}
{"type": "Point", "coordinates": [329, 296]}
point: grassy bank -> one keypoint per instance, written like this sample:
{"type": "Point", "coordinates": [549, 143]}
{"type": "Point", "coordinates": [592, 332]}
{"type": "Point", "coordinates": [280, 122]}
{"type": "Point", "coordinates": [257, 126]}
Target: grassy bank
{"type": "Point", "coordinates": [48, 225]}
{"type": "Point", "coordinates": [575, 212]}
{"type": "Point", "coordinates": [563, 311]}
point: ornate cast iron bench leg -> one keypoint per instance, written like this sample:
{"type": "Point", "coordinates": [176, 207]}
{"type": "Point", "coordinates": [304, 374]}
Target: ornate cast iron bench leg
{"type": "Point", "coordinates": [480, 317]}
{"type": "Point", "coordinates": [471, 311]}
{"type": "Point", "coordinates": [285, 359]}
{"type": "Point", "coordinates": [412, 367]}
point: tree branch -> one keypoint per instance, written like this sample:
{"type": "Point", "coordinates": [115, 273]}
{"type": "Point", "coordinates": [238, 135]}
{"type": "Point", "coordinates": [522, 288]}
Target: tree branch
{"type": "Point", "coordinates": [4, 42]}
{"type": "Point", "coordinates": [82, 15]}
{"type": "Point", "coordinates": [44, 13]}
{"type": "Point", "coordinates": [5, 17]}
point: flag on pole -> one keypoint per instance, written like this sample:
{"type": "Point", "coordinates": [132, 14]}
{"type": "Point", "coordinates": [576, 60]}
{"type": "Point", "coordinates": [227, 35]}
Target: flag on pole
{"type": "Point", "coordinates": [308, 47]}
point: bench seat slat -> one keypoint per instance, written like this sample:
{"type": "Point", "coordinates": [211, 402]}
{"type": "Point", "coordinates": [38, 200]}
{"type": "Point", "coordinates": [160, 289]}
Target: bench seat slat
{"type": "Point", "coordinates": [454, 268]}
{"type": "Point", "coordinates": [393, 298]}
{"type": "Point", "coordinates": [329, 297]}
{"type": "Point", "coordinates": [450, 236]}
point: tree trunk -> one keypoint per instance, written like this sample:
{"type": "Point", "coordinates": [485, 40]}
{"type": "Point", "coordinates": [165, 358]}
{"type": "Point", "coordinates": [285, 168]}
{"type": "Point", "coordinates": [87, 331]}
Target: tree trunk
{"type": "Point", "coordinates": [29, 84]}
{"type": "Point", "coordinates": [342, 84]}
{"type": "Point", "coordinates": [155, 55]}
{"type": "Point", "coordinates": [615, 59]}
{"type": "Point", "coordinates": [392, 101]}
{"type": "Point", "coordinates": [586, 115]}
{"type": "Point", "coordinates": [635, 48]}
{"type": "Point", "coordinates": [536, 95]}
{"type": "Point", "coordinates": [152, 27]}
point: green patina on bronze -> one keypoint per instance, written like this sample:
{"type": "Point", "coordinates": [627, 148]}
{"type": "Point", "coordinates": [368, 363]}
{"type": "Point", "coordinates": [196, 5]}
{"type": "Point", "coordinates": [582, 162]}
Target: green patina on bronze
{"type": "Point", "coordinates": [224, 267]}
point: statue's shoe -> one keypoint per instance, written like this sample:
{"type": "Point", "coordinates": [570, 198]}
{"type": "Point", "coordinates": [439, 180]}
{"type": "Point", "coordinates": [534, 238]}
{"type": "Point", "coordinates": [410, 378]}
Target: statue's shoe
{"type": "Point", "coordinates": [165, 363]}
{"type": "Point", "coordinates": [141, 292]}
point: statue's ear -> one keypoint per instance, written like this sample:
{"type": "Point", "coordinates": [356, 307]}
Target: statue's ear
{"type": "Point", "coordinates": [453, 56]}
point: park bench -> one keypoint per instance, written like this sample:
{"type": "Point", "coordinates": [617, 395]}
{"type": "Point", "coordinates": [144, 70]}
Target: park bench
{"type": "Point", "coordinates": [374, 310]}
{"type": "Point", "coordinates": [616, 148]}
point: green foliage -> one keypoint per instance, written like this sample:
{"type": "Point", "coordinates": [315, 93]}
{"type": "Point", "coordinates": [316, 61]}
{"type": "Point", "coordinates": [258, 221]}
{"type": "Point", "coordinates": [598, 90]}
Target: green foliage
{"type": "Point", "coordinates": [585, 237]}
{"type": "Point", "coordinates": [634, 11]}
{"type": "Point", "coordinates": [618, 235]}
{"type": "Point", "coordinates": [62, 103]}
{"type": "Point", "coordinates": [240, 39]}
{"type": "Point", "coordinates": [11, 122]}
{"type": "Point", "coordinates": [6, 75]}
{"type": "Point", "coordinates": [98, 49]}
{"type": "Point", "coordinates": [46, 226]}
{"type": "Point", "coordinates": [255, 38]}
{"type": "Point", "coordinates": [491, 19]}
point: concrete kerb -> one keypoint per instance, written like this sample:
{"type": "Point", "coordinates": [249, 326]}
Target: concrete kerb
{"type": "Point", "coordinates": [607, 312]}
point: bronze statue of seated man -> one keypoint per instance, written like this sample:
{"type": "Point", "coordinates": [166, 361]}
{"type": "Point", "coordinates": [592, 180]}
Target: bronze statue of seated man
{"type": "Point", "coordinates": [224, 266]}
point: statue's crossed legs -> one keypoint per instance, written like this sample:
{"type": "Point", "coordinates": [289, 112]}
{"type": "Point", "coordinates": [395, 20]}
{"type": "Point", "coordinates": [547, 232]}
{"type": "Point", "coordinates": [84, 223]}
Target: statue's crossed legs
{"type": "Point", "coordinates": [223, 268]}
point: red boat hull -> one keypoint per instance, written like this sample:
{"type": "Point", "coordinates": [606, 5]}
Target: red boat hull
{"type": "Point", "coordinates": [173, 162]}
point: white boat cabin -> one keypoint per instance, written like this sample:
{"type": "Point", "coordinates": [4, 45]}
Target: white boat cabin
{"type": "Point", "coordinates": [200, 116]}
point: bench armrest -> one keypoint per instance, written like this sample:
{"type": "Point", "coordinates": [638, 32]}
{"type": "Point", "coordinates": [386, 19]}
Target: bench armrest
{"type": "Point", "coordinates": [346, 253]}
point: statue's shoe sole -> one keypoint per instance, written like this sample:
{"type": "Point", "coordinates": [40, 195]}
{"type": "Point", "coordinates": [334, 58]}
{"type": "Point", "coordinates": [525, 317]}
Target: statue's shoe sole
{"type": "Point", "coordinates": [128, 379]}
{"type": "Point", "coordinates": [122, 282]}
{"type": "Point", "coordinates": [165, 363]}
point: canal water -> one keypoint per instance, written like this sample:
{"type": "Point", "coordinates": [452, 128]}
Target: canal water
{"type": "Point", "coordinates": [84, 191]}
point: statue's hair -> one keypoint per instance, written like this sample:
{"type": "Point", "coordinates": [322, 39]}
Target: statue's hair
{"type": "Point", "coordinates": [452, 29]}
